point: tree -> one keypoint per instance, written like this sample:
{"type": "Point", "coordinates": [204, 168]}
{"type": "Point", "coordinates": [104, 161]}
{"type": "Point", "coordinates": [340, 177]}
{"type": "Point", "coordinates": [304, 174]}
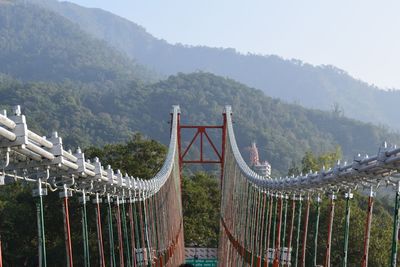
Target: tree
{"type": "Point", "coordinates": [201, 202]}
{"type": "Point", "coordinates": [139, 157]}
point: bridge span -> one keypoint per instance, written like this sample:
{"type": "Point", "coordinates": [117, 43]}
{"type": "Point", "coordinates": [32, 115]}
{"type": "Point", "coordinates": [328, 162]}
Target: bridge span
{"type": "Point", "coordinates": [261, 219]}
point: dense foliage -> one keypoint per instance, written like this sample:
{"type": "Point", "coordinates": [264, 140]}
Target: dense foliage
{"type": "Point", "coordinates": [201, 202]}
{"type": "Point", "coordinates": [97, 113]}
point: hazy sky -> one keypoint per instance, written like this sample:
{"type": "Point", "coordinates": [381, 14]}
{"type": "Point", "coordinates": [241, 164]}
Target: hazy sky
{"type": "Point", "coordinates": [359, 36]}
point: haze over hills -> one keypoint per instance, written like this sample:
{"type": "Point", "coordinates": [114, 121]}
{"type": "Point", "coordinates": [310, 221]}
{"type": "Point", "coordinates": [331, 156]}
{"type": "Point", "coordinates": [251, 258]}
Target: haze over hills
{"type": "Point", "coordinates": [321, 87]}
{"type": "Point", "coordinates": [93, 95]}
{"type": "Point", "coordinates": [40, 45]}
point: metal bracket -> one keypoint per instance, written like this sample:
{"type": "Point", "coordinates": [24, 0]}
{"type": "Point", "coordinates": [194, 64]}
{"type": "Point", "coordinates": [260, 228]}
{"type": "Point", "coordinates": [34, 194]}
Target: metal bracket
{"type": "Point", "coordinates": [39, 191]}
{"type": "Point", "coordinates": [65, 192]}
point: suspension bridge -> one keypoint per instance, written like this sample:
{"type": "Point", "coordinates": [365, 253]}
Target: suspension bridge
{"type": "Point", "coordinates": [256, 227]}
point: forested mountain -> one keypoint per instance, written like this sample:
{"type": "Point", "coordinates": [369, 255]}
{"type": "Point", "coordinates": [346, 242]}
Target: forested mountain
{"type": "Point", "coordinates": [37, 44]}
{"type": "Point", "coordinates": [98, 113]}
{"type": "Point", "coordinates": [322, 87]}
{"type": "Point", "coordinates": [93, 95]}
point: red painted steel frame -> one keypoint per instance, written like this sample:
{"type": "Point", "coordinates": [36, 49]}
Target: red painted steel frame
{"type": "Point", "coordinates": [201, 131]}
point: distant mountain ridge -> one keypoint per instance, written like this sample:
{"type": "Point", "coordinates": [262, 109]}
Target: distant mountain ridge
{"type": "Point", "coordinates": [39, 45]}
{"type": "Point", "coordinates": [93, 94]}
{"type": "Point", "coordinates": [98, 113]}
{"type": "Point", "coordinates": [321, 87]}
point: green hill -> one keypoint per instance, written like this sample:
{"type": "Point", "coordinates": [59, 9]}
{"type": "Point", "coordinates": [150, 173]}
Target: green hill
{"type": "Point", "coordinates": [322, 87]}
{"type": "Point", "coordinates": [98, 113]}
{"type": "Point", "coordinates": [39, 45]}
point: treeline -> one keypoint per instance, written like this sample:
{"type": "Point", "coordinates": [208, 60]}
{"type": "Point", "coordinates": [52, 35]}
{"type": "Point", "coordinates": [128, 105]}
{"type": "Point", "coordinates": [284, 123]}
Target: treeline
{"type": "Point", "coordinates": [107, 112]}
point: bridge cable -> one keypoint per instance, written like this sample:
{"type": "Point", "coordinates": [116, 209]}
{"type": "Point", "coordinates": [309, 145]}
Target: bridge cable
{"type": "Point", "coordinates": [264, 224]}
{"type": "Point", "coordinates": [247, 217]}
{"type": "Point", "coordinates": [305, 232]}
{"type": "Point", "coordinates": [67, 228]}
{"type": "Point", "coordinates": [125, 230]}
{"type": "Point", "coordinates": [330, 225]}
{"type": "Point", "coordinates": [348, 196]}
{"type": "Point", "coordinates": [368, 228]}
{"type": "Point", "coordinates": [146, 232]}
{"type": "Point", "coordinates": [138, 232]}
{"type": "Point", "coordinates": [285, 201]}
{"type": "Point", "coordinates": [132, 230]}
{"type": "Point", "coordinates": [110, 231]}
{"type": "Point", "coordinates": [274, 217]}
{"type": "Point", "coordinates": [119, 233]}
{"type": "Point", "coordinates": [156, 225]}
{"type": "Point", "coordinates": [289, 244]}
{"type": "Point", "coordinates": [253, 224]}
{"type": "Point", "coordinates": [396, 225]}
{"type": "Point", "coordinates": [271, 204]}
{"type": "Point", "coordinates": [99, 230]}
{"type": "Point", "coordinates": [85, 235]}
{"type": "Point", "coordinates": [296, 255]}
{"type": "Point", "coordinates": [40, 192]}
{"type": "Point", "coordinates": [316, 226]}
{"type": "Point", "coordinates": [277, 251]}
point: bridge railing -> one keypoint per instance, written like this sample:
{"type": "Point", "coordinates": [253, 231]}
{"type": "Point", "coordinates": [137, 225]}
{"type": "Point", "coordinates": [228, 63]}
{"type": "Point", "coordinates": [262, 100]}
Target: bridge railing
{"type": "Point", "coordinates": [255, 228]}
{"type": "Point", "coordinates": [154, 233]}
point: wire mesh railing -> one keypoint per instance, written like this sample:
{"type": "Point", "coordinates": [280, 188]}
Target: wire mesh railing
{"type": "Point", "coordinates": [145, 214]}
{"type": "Point", "coordinates": [261, 218]}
